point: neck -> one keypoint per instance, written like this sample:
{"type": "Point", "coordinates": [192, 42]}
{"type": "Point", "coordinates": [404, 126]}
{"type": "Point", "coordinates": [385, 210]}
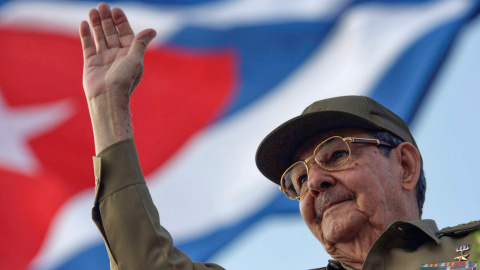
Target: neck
{"type": "Point", "coordinates": [354, 251]}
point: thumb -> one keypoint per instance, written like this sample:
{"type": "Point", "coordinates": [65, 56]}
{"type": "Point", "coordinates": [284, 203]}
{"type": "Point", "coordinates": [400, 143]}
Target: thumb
{"type": "Point", "coordinates": [141, 42]}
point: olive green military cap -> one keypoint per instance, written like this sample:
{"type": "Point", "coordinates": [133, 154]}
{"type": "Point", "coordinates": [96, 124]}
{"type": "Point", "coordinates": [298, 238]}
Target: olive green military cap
{"type": "Point", "coordinates": [276, 151]}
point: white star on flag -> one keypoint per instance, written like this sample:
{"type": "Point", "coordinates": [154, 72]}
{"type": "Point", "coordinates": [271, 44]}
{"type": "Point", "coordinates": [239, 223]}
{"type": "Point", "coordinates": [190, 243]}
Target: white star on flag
{"type": "Point", "coordinates": [20, 124]}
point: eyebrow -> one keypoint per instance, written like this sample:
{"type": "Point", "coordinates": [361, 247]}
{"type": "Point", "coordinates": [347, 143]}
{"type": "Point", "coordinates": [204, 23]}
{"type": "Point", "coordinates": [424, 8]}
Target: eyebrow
{"type": "Point", "coordinates": [311, 142]}
{"type": "Point", "coordinates": [326, 142]}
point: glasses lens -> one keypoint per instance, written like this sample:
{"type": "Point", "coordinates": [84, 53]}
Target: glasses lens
{"type": "Point", "coordinates": [332, 153]}
{"type": "Point", "coordinates": [294, 180]}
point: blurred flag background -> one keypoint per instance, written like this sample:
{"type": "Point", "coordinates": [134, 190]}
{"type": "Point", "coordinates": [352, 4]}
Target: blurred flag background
{"type": "Point", "coordinates": [218, 78]}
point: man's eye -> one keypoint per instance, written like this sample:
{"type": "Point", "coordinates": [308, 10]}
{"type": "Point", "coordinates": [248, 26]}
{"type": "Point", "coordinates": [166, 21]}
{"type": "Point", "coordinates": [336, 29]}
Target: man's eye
{"type": "Point", "coordinates": [302, 179]}
{"type": "Point", "coordinates": [339, 155]}
{"type": "Point", "coordinates": [336, 158]}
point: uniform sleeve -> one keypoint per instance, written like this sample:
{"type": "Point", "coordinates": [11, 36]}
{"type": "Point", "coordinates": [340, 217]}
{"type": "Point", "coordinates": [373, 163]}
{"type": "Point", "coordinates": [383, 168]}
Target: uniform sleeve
{"type": "Point", "coordinates": [127, 218]}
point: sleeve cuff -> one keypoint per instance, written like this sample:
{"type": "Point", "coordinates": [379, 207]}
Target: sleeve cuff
{"type": "Point", "coordinates": [115, 168]}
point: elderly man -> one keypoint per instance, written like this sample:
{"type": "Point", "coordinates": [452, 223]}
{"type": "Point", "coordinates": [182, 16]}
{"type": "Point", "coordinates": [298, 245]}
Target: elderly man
{"type": "Point", "coordinates": [351, 163]}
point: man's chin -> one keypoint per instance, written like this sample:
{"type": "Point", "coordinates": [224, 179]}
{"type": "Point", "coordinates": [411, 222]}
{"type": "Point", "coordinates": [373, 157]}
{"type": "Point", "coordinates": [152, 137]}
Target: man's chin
{"type": "Point", "coordinates": [340, 229]}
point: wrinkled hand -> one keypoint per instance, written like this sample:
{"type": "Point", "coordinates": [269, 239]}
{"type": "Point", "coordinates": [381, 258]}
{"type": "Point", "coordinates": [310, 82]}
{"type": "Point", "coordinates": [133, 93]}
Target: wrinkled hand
{"type": "Point", "coordinates": [113, 67]}
{"type": "Point", "coordinates": [113, 60]}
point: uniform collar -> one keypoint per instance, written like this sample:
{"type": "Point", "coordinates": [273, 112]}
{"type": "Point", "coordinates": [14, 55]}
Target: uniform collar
{"type": "Point", "coordinates": [407, 235]}
{"type": "Point", "coordinates": [401, 233]}
{"type": "Point", "coordinates": [428, 226]}
{"type": "Point", "coordinates": [398, 235]}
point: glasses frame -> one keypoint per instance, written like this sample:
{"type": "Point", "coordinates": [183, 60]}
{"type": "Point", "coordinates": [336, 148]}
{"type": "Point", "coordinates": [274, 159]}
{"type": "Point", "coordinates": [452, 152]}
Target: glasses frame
{"type": "Point", "coordinates": [347, 140]}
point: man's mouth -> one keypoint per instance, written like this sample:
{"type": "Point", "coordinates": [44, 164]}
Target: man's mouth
{"type": "Point", "coordinates": [327, 206]}
{"type": "Point", "coordinates": [328, 200]}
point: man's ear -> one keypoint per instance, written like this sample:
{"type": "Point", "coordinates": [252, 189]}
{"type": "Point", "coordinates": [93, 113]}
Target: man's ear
{"type": "Point", "coordinates": [409, 156]}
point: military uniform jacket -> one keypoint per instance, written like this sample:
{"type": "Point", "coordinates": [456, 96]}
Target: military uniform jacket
{"type": "Point", "coordinates": [130, 225]}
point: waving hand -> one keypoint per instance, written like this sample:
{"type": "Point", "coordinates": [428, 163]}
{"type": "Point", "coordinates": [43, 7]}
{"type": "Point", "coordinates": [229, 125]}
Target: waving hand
{"type": "Point", "coordinates": [113, 59]}
{"type": "Point", "coordinates": [113, 67]}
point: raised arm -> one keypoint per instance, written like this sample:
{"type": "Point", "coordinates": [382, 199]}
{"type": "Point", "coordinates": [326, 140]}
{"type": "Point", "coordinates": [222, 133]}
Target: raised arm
{"type": "Point", "coordinates": [113, 67]}
{"type": "Point", "coordinates": [123, 208]}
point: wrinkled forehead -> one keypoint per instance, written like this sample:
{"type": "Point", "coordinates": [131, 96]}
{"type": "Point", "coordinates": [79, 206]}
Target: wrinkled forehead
{"type": "Point", "coordinates": [307, 148]}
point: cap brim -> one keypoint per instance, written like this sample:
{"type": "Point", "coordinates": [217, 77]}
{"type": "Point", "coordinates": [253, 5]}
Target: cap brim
{"type": "Point", "coordinates": [275, 153]}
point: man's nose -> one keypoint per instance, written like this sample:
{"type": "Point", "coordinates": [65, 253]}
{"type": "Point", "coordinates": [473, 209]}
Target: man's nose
{"type": "Point", "coordinates": [319, 180]}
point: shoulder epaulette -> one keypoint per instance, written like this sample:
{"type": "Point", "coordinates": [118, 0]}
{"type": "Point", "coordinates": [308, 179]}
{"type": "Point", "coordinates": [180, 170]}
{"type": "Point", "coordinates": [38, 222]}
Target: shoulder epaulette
{"type": "Point", "coordinates": [460, 229]}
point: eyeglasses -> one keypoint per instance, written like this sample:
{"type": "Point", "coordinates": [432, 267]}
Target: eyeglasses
{"type": "Point", "coordinates": [331, 154]}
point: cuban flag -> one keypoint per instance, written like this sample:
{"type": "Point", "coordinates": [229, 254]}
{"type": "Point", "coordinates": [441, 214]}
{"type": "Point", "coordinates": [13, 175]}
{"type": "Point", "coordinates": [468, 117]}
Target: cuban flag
{"type": "Point", "coordinates": [218, 78]}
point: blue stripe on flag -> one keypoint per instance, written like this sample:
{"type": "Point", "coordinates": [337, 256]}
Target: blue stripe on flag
{"type": "Point", "coordinates": [267, 54]}
{"type": "Point", "coordinates": [205, 247]}
{"type": "Point", "coordinates": [200, 249]}
{"type": "Point", "coordinates": [404, 86]}
{"type": "Point", "coordinates": [92, 257]}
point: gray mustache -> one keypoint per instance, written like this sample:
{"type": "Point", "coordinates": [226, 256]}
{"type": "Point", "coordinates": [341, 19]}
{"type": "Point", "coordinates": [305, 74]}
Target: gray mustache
{"type": "Point", "coordinates": [331, 197]}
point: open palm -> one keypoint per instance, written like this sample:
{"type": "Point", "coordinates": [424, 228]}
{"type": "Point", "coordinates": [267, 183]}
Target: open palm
{"type": "Point", "coordinates": [113, 60]}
